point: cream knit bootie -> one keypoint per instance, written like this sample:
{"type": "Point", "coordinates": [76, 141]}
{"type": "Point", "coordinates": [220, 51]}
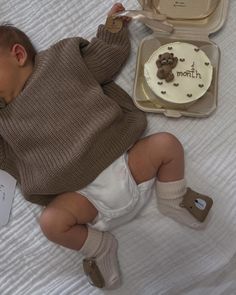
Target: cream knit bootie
{"type": "Point", "coordinates": [182, 204]}
{"type": "Point", "coordinates": [101, 262]}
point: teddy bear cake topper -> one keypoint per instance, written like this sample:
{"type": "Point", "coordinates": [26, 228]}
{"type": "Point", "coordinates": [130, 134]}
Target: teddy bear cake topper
{"type": "Point", "coordinates": [165, 63]}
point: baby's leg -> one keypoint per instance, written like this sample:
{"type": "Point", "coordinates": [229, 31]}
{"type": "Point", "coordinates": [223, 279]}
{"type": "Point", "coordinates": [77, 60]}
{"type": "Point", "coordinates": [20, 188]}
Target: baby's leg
{"type": "Point", "coordinates": [161, 155]}
{"type": "Point", "coordinates": [64, 221]}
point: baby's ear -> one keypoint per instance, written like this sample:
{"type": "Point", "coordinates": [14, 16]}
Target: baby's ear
{"type": "Point", "coordinates": [20, 54]}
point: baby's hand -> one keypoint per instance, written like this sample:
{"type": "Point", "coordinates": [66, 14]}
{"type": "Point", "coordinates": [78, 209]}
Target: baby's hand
{"type": "Point", "coordinates": [118, 7]}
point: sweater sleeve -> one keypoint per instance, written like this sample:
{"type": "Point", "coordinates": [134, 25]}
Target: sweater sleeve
{"type": "Point", "coordinates": [106, 53]}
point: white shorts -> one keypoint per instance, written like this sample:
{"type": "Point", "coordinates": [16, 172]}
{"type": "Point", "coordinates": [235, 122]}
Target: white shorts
{"type": "Point", "coordinates": [116, 195]}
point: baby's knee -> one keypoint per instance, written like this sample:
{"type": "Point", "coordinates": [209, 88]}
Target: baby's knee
{"type": "Point", "coordinates": [52, 223]}
{"type": "Point", "coordinates": [169, 139]}
{"type": "Point", "coordinates": [46, 222]}
{"type": "Point", "coordinates": [168, 142]}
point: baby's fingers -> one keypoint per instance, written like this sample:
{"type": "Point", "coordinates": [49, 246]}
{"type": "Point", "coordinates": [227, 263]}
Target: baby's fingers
{"type": "Point", "coordinates": [116, 8]}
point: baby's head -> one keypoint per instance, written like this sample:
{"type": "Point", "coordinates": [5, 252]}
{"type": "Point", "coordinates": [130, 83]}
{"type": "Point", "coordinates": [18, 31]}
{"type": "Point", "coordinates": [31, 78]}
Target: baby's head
{"type": "Point", "coordinates": [17, 55]}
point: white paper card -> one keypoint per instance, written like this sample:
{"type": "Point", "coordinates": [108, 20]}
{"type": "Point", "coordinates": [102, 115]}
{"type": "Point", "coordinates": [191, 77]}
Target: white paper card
{"type": "Point", "coordinates": [7, 192]}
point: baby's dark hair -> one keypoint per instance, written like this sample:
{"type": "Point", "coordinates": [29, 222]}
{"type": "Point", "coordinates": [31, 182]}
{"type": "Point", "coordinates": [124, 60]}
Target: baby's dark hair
{"type": "Point", "coordinates": [10, 35]}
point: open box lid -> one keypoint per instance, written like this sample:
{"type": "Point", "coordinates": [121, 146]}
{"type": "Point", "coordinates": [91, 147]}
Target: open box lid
{"type": "Point", "coordinates": [196, 16]}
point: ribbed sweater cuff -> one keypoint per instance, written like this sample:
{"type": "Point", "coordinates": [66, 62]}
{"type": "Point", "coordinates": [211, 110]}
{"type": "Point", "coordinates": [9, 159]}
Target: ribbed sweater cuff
{"type": "Point", "coordinates": [120, 38]}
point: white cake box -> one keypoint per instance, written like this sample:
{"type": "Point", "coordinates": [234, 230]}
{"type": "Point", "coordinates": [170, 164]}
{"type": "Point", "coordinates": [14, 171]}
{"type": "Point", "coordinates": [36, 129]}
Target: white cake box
{"type": "Point", "coordinates": [193, 21]}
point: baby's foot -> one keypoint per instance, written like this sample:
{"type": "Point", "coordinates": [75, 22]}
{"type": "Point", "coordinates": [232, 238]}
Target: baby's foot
{"type": "Point", "coordinates": [102, 268]}
{"type": "Point", "coordinates": [197, 204]}
{"type": "Point", "coordinates": [183, 205]}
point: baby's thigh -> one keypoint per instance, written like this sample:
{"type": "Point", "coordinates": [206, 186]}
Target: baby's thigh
{"type": "Point", "coordinates": [71, 208]}
{"type": "Point", "coordinates": [139, 161]}
{"type": "Point", "coordinates": [149, 153]}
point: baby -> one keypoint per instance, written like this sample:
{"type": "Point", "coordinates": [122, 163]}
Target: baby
{"type": "Point", "coordinates": [70, 136]}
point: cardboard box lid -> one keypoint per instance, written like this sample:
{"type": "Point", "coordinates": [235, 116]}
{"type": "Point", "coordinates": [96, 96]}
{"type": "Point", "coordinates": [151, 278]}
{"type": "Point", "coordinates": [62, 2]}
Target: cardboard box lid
{"type": "Point", "coordinates": [195, 16]}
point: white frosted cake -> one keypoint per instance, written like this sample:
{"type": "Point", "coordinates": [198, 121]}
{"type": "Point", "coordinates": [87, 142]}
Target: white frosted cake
{"type": "Point", "coordinates": [178, 72]}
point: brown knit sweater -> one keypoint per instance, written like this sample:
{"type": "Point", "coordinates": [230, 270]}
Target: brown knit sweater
{"type": "Point", "coordinates": [70, 121]}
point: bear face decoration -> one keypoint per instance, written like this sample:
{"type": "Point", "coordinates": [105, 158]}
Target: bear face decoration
{"type": "Point", "coordinates": [165, 63]}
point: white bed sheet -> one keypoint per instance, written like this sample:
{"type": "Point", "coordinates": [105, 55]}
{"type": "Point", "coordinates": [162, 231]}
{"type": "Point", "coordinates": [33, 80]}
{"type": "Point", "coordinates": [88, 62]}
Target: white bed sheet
{"type": "Point", "coordinates": [157, 256]}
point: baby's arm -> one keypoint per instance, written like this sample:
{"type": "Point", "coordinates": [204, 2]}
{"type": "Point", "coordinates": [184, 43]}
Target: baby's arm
{"type": "Point", "coordinates": [107, 52]}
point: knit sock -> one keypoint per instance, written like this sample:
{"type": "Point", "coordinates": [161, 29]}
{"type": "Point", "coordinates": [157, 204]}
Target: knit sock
{"type": "Point", "coordinates": [169, 196]}
{"type": "Point", "coordinates": [102, 247]}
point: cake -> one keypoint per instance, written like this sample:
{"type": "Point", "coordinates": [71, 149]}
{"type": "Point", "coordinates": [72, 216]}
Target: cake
{"type": "Point", "coordinates": [178, 72]}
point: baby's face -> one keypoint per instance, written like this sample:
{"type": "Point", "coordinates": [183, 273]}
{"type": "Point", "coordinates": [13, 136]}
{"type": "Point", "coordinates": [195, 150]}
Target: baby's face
{"type": "Point", "coordinates": [9, 74]}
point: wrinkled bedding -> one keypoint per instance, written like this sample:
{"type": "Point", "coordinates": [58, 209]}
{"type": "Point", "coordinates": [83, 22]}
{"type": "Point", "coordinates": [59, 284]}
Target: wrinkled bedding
{"type": "Point", "coordinates": [157, 256]}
